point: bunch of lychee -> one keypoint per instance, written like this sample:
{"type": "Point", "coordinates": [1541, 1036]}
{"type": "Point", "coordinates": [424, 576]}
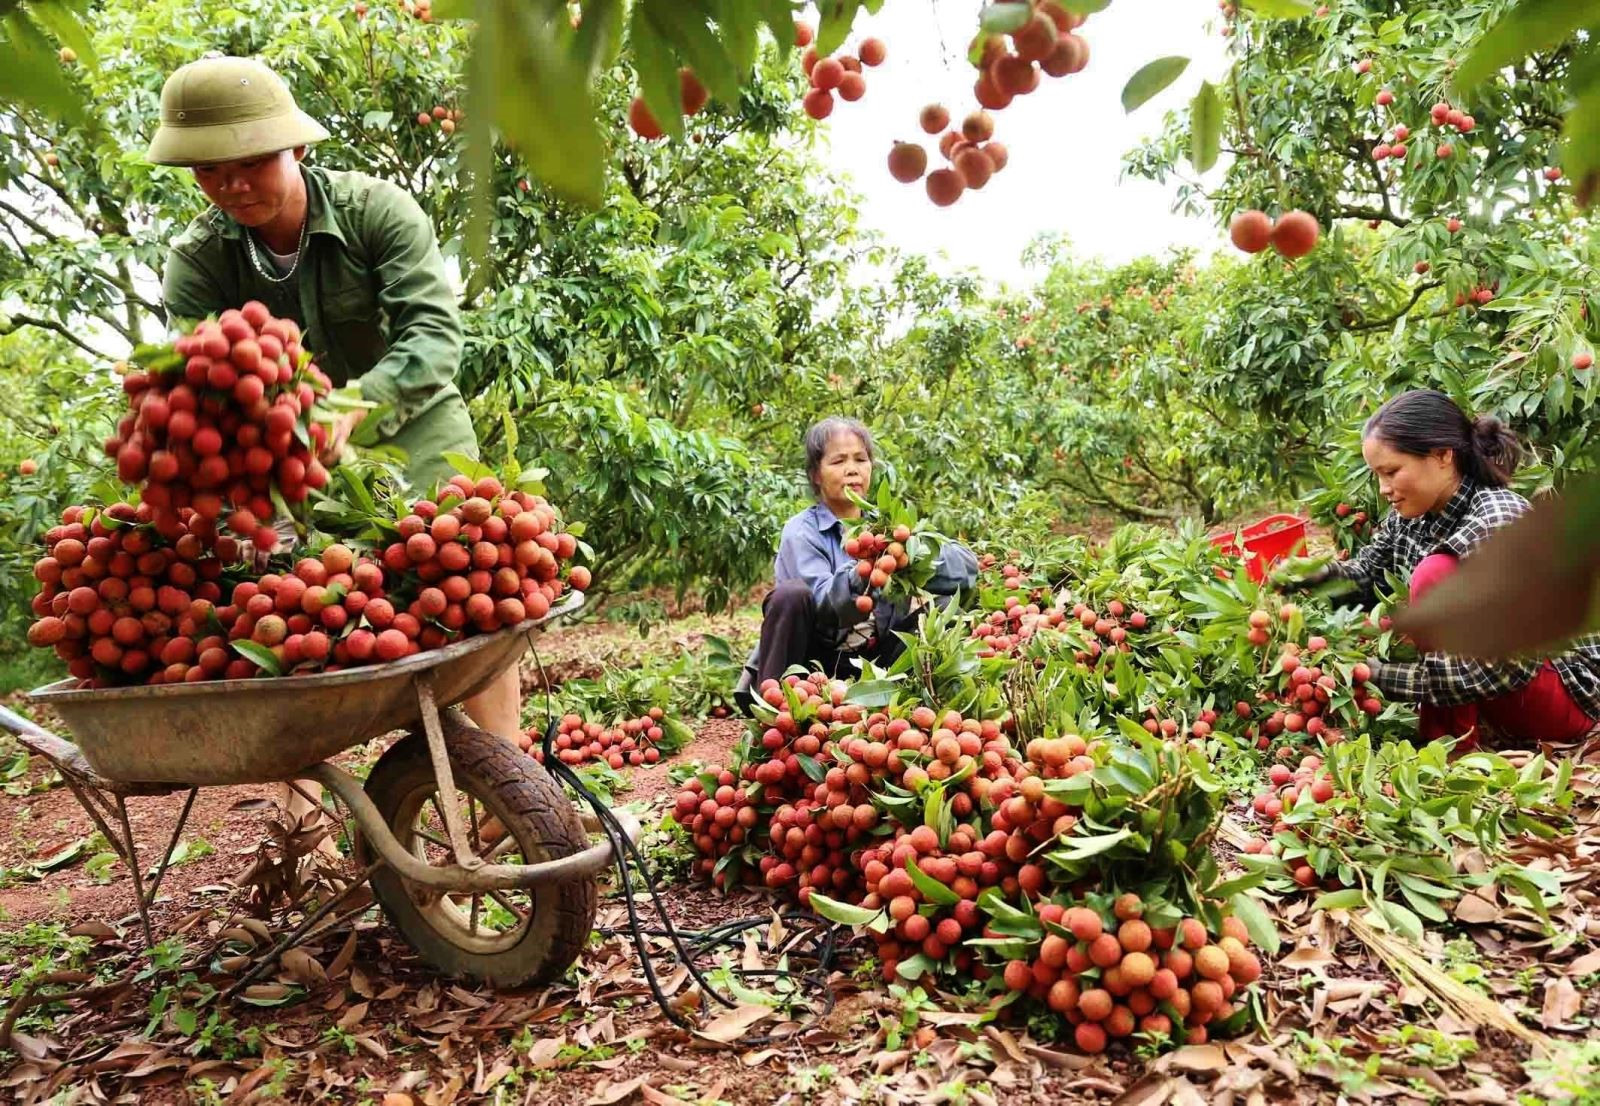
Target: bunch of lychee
{"type": "Point", "coordinates": [227, 428]}
{"type": "Point", "coordinates": [1009, 66]}
{"type": "Point", "coordinates": [692, 98]}
{"type": "Point", "coordinates": [1113, 977]}
{"type": "Point", "coordinates": [120, 600]}
{"type": "Point", "coordinates": [880, 556]}
{"type": "Point", "coordinates": [331, 611]}
{"type": "Point", "coordinates": [838, 75]}
{"type": "Point", "coordinates": [476, 559]}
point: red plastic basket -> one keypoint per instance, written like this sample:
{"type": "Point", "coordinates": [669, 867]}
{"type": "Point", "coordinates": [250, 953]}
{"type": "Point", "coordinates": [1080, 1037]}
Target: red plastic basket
{"type": "Point", "coordinates": [1266, 542]}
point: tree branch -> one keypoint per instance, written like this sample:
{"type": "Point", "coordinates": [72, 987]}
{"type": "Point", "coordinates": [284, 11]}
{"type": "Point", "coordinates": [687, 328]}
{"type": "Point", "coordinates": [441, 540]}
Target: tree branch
{"type": "Point", "coordinates": [1416, 294]}
{"type": "Point", "coordinates": [17, 322]}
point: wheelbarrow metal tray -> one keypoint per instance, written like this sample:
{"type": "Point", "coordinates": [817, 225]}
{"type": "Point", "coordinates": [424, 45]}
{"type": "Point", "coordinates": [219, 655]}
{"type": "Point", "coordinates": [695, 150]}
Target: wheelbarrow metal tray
{"type": "Point", "coordinates": [261, 730]}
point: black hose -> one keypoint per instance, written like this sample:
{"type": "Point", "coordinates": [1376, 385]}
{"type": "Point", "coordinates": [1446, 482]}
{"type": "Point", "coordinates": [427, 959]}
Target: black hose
{"type": "Point", "coordinates": [690, 946]}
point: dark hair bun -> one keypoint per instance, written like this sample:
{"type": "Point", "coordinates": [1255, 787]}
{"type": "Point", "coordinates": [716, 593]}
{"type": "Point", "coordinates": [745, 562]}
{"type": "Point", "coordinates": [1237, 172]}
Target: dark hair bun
{"type": "Point", "coordinates": [1498, 448]}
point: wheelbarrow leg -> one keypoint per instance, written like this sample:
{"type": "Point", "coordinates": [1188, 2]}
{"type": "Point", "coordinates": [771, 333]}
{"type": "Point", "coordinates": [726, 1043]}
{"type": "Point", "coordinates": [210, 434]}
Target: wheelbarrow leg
{"type": "Point", "coordinates": [177, 832]}
{"type": "Point", "coordinates": [133, 870]}
{"type": "Point", "coordinates": [449, 807]}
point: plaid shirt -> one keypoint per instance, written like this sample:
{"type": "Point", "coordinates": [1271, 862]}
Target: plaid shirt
{"type": "Point", "coordinates": [1400, 544]}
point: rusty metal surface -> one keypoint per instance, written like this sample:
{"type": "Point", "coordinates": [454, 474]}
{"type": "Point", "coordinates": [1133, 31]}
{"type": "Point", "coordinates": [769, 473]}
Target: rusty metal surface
{"type": "Point", "coordinates": [262, 730]}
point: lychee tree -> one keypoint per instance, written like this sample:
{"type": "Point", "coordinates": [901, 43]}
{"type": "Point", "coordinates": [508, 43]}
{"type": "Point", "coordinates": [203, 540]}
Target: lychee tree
{"type": "Point", "coordinates": [1476, 279]}
{"type": "Point", "coordinates": [713, 284]}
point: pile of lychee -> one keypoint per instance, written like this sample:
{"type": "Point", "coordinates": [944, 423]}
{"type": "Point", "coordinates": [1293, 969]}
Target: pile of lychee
{"type": "Point", "coordinates": [629, 742]}
{"type": "Point", "coordinates": [1113, 977]}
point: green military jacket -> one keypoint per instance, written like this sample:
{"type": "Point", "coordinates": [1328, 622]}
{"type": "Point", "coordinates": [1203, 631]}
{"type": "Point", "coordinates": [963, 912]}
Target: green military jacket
{"type": "Point", "coordinates": [369, 293]}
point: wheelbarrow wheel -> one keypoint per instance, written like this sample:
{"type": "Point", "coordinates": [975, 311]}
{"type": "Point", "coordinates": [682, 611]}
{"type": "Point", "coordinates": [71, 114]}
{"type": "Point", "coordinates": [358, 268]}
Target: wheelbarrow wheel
{"type": "Point", "coordinates": [515, 813]}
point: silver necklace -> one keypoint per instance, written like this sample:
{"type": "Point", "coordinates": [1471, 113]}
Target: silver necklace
{"type": "Point", "coordinates": [267, 271]}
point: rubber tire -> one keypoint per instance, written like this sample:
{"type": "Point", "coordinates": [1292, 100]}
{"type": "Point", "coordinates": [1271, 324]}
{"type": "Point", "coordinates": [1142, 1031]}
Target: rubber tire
{"type": "Point", "coordinates": [533, 808]}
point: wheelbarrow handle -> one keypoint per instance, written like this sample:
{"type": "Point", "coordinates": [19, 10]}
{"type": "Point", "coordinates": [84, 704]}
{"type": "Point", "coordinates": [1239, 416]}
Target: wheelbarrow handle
{"type": "Point", "coordinates": [22, 727]}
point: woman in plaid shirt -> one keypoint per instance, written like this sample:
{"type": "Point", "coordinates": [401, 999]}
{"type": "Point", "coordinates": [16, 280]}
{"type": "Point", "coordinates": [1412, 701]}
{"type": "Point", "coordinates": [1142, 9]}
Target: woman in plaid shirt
{"type": "Point", "coordinates": [1445, 477]}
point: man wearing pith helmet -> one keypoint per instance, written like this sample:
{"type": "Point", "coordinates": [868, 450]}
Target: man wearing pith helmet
{"type": "Point", "coordinates": [350, 258]}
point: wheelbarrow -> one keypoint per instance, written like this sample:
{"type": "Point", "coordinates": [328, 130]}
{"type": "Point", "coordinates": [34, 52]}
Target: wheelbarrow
{"type": "Point", "coordinates": [475, 854]}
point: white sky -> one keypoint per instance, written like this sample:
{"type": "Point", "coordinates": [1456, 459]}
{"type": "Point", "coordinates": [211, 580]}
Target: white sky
{"type": "Point", "coordinates": [1066, 140]}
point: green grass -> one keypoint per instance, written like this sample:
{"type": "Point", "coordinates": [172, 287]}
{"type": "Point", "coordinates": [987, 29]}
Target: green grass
{"type": "Point", "coordinates": [27, 669]}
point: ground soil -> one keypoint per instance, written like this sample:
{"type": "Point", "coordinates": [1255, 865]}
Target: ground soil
{"type": "Point", "coordinates": [365, 1018]}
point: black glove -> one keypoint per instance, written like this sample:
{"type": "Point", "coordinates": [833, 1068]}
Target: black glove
{"type": "Point", "coordinates": [1306, 583]}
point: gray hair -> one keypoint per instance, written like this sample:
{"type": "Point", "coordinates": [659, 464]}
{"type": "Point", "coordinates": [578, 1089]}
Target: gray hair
{"type": "Point", "coordinates": [823, 432]}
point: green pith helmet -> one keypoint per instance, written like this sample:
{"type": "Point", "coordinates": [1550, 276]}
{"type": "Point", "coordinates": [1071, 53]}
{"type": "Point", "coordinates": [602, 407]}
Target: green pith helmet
{"type": "Point", "coordinates": [227, 109]}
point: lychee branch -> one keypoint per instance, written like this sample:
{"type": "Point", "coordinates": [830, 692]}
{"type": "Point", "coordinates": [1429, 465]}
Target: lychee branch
{"type": "Point", "coordinates": [1416, 294]}
{"type": "Point", "coordinates": [17, 322]}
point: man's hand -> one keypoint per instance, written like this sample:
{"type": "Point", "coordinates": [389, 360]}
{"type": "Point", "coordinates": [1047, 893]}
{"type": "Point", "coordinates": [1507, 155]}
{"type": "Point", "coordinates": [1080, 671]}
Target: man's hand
{"type": "Point", "coordinates": [339, 435]}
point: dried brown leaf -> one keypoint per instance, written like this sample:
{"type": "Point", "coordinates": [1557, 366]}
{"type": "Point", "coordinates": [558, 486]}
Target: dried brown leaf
{"type": "Point", "coordinates": [99, 931]}
{"type": "Point", "coordinates": [302, 967]}
{"type": "Point", "coordinates": [544, 1051]}
{"type": "Point", "coordinates": [341, 963]}
{"type": "Point", "coordinates": [1587, 964]}
{"type": "Point", "coordinates": [1477, 908]}
{"type": "Point", "coordinates": [608, 1093]}
{"type": "Point", "coordinates": [352, 1017]}
{"type": "Point", "coordinates": [360, 984]}
{"type": "Point", "coordinates": [1208, 1058]}
{"type": "Point", "coordinates": [1561, 1003]}
{"type": "Point", "coordinates": [734, 1024]}
{"type": "Point", "coordinates": [1152, 1090]}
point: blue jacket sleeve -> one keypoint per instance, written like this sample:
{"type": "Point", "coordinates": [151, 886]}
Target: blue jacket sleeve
{"type": "Point", "coordinates": [957, 568]}
{"type": "Point", "coordinates": [802, 556]}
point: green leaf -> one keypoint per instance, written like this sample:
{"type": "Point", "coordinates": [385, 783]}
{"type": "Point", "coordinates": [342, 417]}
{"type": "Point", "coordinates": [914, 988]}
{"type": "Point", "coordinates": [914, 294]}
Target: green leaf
{"type": "Point", "coordinates": [838, 16]}
{"type": "Point", "coordinates": [63, 23]}
{"type": "Point", "coordinates": [1347, 899]}
{"type": "Point", "coordinates": [32, 74]}
{"type": "Point", "coordinates": [599, 38]}
{"type": "Point", "coordinates": [813, 768]}
{"type": "Point", "coordinates": [1401, 920]}
{"type": "Point", "coordinates": [1151, 79]}
{"type": "Point", "coordinates": [1081, 848]}
{"type": "Point", "coordinates": [62, 857]}
{"type": "Point", "coordinates": [1257, 922]}
{"type": "Point", "coordinates": [1278, 9]}
{"type": "Point", "coordinates": [1529, 27]}
{"type": "Point", "coordinates": [848, 915]}
{"type": "Point", "coordinates": [1085, 7]}
{"type": "Point", "coordinates": [260, 656]}
{"type": "Point", "coordinates": [467, 466]}
{"type": "Point", "coordinates": [523, 83]}
{"type": "Point", "coordinates": [872, 693]}
{"type": "Point", "coordinates": [1233, 886]}
{"type": "Point", "coordinates": [1003, 18]}
{"type": "Point", "coordinates": [1205, 127]}
{"type": "Point", "coordinates": [914, 967]}
{"type": "Point", "coordinates": [932, 890]}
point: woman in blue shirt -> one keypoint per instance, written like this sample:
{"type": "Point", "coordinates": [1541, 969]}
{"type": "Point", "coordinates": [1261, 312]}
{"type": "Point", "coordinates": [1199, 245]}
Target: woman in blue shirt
{"type": "Point", "coordinates": [810, 617]}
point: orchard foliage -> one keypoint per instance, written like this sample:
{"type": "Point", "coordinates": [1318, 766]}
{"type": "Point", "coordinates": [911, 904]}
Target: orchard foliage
{"type": "Point", "coordinates": [1460, 266]}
